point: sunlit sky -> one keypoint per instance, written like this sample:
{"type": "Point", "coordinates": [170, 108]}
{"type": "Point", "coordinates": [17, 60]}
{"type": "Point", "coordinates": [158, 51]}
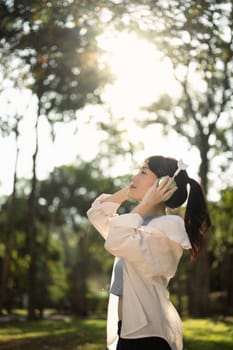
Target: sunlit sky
{"type": "Point", "coordinates": [141, 73]}
{"type": "Point", "coordinates": [141, 76]}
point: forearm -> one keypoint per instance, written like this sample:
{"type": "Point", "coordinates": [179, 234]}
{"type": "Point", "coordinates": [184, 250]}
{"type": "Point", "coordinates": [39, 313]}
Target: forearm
{"type": "Point", "coordinates": [101, 211]}
{"type": "Point", "coordinates": [117, 197]}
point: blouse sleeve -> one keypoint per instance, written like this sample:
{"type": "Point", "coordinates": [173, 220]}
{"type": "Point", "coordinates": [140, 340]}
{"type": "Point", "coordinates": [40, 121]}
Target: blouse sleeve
{"type": "Point", "coordinates": [151, 251]}
{"type": "Point", "coordinates": [101, 213]}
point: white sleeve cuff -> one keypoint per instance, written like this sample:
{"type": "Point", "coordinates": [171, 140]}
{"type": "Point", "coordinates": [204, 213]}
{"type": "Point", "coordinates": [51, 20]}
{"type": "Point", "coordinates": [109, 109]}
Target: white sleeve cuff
{"type": "Point", "coordinates": [131, 220]}
{"type": "Point", "coordinates": [108, 208]}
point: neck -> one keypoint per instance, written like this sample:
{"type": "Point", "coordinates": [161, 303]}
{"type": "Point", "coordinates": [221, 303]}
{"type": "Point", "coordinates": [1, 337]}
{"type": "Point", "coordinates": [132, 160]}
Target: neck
{"type": "Point", "coordinates": [157, 210]}
{"type": "Point", "coordinates": [143, 210]}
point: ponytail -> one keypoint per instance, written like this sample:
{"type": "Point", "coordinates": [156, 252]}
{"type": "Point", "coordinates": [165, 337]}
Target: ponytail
{"type": "Point", "coordinates": [197, 218]}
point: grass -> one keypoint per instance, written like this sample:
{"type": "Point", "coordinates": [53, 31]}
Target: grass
{"type": "Point", "coordinates": [89, 334]}
{"type": "Point", "coordinates": [61, 334]}
{"type": "Point", "coordinates": [208, 334]}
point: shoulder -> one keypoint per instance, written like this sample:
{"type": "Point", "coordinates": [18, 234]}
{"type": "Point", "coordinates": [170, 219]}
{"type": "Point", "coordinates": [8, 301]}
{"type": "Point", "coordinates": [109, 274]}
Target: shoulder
{"type": "Point", "coordinates": [173, 219]}
{"type": "Point", "coordinates": [166, 222]}
{"type": "Point", "coordinates": [171, 227]}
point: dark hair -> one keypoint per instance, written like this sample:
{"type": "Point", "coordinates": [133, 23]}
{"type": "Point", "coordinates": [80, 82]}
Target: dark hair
{"type": "Point", "coordinates": [196, 218]}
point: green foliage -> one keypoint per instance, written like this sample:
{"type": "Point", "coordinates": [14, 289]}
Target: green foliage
{"type": "Point", "coordinates": [222, 212]}
{"type": "Point", "coordinates": [63, 199]}
{"type": "Point", "coordinates": [196, 37]}
{"type": "Point", "coordinates": [221, 249]}
{"type": "Point", "coordinates": [66, 195]}
{"type": "Point", "coordinates": [56, 43]}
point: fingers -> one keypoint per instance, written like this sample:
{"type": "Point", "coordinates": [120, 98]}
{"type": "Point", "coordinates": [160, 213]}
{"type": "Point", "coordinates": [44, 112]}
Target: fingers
{"type": "Point", "coordinates": [168, 194]}
{"type": "Point", "coordinates": [167, 186]}
{"type": "Point", "coordinates": [164, 182]}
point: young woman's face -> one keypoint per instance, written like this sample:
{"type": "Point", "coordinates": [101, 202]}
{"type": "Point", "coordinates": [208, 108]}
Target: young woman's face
{"type": "Point", "coordinates": [141, 182]}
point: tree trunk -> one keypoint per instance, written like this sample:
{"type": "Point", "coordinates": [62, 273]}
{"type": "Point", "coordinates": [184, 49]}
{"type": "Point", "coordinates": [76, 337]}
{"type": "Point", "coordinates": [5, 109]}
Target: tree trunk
{"type": "Point", "coordinates": [80, 290]}
{"type": "Point", "coordinates": [198, 285]}
{"type": "Point", "coordinates": [44, 280]}
{"type": "Point", "coordinates": [5, 271]}
{"type": "Point", "coordinates": [32, 235]}
{"type": "Point", "coordinates": [227, 282]}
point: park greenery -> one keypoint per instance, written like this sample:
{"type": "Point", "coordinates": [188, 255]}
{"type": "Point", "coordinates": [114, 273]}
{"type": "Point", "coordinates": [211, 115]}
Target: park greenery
{"type": "Point", "coordinates": [50, 256]}
{"type": "Point", "coordinates": [88, 334]}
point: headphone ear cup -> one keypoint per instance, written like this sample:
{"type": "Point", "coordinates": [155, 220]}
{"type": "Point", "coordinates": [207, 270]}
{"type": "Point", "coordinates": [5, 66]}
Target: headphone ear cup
{"type": "Point", "coordinates": [161, 179]}
{"type": "Point", "coordinates": [172, 185]}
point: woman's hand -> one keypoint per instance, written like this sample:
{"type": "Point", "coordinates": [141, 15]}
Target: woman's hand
{"type": "Point", "coordinates": [159, 192]}
{"type": "Point", "coordinates": [119, 196]}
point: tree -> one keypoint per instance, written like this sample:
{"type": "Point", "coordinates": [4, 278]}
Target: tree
{"type": "Point", "coordinates": [57, 41]}
{"type": "Point", "coordinates": [221, 249]}
{"type": "Point", "coordinates": [10, 221]}
{"type": "Point", "coordinates": [67, 195]}
{"type": "Point", "coordinates": [197, 38]}
{"type": "Point", "coordinates": [15, 256]}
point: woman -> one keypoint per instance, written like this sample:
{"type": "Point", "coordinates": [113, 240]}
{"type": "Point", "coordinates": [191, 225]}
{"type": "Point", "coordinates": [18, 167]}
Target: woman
{"type": "Point", "coordinates": [148, 245]}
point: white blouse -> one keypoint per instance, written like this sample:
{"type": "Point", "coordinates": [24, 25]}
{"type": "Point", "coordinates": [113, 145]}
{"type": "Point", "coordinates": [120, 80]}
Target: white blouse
{"type": "Point", "coordinates": [150, 255]}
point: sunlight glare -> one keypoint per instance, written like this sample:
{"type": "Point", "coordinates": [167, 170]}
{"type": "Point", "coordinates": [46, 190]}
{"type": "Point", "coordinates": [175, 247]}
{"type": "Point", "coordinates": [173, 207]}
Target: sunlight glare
{"type": "Point", "coordinates": [141, 73]}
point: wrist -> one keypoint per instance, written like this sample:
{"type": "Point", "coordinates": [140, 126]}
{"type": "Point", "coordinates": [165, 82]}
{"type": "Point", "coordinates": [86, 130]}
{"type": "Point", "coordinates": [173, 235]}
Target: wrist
{"type": "Point", "coordinates": [118, 197]}
{"type": "Point", "coordinates": [141, 209]}
{"type": "Point", "coordinates": [124, 194]}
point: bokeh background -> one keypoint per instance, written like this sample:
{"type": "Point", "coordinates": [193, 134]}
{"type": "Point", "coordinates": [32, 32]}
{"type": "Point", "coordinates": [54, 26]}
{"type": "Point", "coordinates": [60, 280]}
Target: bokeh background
{"type": "Point", "coordinates": [88, 90]}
